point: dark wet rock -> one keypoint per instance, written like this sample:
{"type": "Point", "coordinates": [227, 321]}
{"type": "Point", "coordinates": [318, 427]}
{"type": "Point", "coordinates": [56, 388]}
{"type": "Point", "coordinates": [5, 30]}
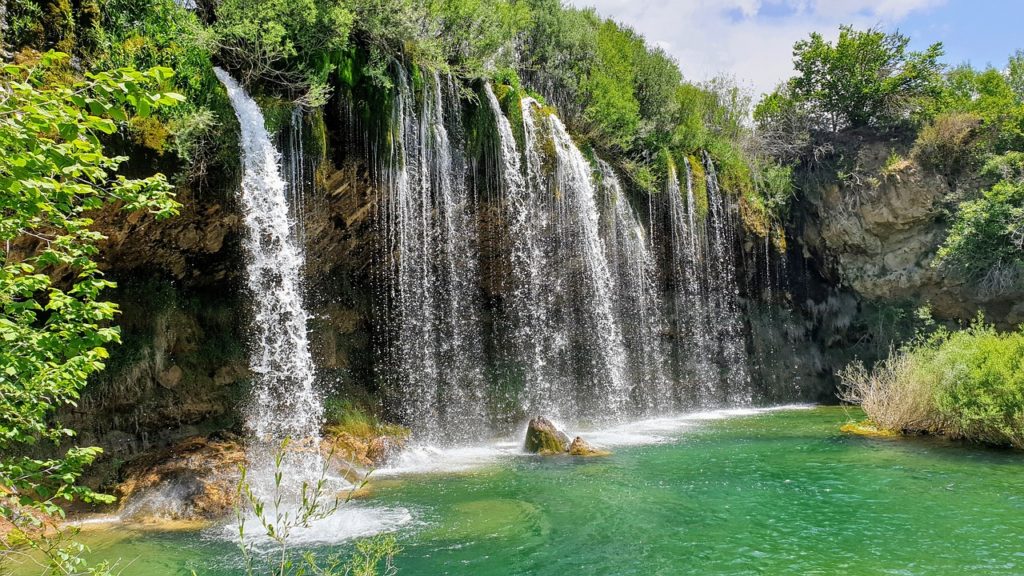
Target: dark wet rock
{"type": "Point", "coordinates": [542, 437]}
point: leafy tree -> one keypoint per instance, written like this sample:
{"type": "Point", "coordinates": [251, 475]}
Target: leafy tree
{"type": "Point", "coordinates": [141, 34]}
{"type": "Point", "coordinates": [54, 324]}
{"type": "Point", "coordinates": [1015, 74]}
{"type": "Point", "coordinates": [391, 30]}
{"type": "Point", "coordinates": [288, 42]}
{"type": "Point", "coordinates": [989, 95]}
{"type": "Point", "coordinates": [867, 78]}
{"type": "Point", "coordinates": [558, 51]}
{"type": "Point", "coordinates": [478, 34]}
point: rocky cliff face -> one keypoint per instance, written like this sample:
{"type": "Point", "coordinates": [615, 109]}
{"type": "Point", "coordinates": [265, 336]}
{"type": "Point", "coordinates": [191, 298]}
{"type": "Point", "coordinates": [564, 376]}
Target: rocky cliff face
{"type": "Point", "coordinates": [182, 369]}
{"type": "Point", "coordinates": [875, 226]}
{"type": "Point", "coordinates": [861, 246]}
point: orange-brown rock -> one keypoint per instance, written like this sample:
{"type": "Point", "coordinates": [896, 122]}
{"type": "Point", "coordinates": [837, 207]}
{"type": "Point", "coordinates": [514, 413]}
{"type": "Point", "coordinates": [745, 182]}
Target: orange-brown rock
{"type": "Point", "coordinates": [195, 479]}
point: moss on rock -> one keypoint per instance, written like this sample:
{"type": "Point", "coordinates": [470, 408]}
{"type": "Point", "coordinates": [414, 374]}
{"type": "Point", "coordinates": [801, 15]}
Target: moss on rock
{"type": "Point", "coordinates": [543, 438]}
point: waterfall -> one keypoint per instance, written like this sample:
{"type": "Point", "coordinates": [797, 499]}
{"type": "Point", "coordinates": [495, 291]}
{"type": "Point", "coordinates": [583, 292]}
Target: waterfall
{"type": "Point", "coordinates": [694, 342]}
{"type": "Point", "coordinates": [285, 401]}
{"type": "Point", "coordinates": [636, 300]}
{"type": "Point", "coordinates": [434, 370]}
{"type": "Point", "coordinates": [526, 310]}
{"type": "Point", "coordinates": [560, 309]}
{"type": "Point", "coordinates": [709, 353]}
{"type": "Point", "coordinates": [296, 171]}
{"type": "Point", "coordinates": [723, 292]}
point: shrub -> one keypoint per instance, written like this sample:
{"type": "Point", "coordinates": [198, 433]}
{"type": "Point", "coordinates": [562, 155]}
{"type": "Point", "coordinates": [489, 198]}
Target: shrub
{"type": "Point", "coordinates": [986, 240]}
{"type": "Point", "coordinates": [982, 393]}
{"type": "Point", "coordinates": [866, 78]}
{"type": "Point", "coordinates": [283, 41]}
{"type": "Point", "coordinates": [966, 384]}
{"type": "Point", "coordinates": [950, 143]}
{"type": "Point", "coordinates": [896, 394]}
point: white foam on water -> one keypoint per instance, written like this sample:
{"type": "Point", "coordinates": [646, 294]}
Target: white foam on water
{"type": "Point", "coordinates": [427, 459]}
{"type": "Point", "coordinates": [350, 521]}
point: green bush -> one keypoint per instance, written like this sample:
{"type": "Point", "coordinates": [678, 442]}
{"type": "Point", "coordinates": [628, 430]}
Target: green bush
{"type": "Point", "coordinates": [286, 42]}
{"type": "Point", "coordinates": [986, 240]}
{"type": "Point", "coordinates": [981, 396]}
{"type": "Point", "coordinates": [967, 384]}
{"type": "Point", "coordinates": [866, 78]}
{"type": "Point", "coordinates": [950, 143]}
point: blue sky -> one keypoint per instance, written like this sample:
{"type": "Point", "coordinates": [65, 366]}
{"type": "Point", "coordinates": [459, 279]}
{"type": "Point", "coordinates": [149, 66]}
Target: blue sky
{"type": "Point", "coordinates": [752, 40]}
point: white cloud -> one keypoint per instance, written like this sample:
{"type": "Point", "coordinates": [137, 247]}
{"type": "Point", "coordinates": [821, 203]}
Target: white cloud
{"type": "Point", "coordinates": [751, 40]}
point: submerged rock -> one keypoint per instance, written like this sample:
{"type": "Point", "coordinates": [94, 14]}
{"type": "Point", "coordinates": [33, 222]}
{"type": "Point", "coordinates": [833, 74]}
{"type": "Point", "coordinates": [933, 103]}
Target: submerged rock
{"type": "Point", "coordinates": [543, 438]}
{"type": "Point", "coordinates": [580, 447]}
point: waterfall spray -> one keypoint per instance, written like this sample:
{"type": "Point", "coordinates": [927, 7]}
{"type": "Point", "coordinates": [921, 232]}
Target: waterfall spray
{"type": "Point", "coordinates": [637, 304]}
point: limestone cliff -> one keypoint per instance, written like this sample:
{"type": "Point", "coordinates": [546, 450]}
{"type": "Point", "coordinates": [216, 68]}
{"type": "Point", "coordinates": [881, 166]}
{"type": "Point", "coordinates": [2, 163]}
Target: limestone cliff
{"type": "Point", "coordinates": [873, 222]}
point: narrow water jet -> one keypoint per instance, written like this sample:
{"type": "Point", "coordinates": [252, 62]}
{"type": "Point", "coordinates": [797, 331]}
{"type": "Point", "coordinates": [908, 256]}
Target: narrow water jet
{"type": "Point", "coordinates": [637, 303]}
{"type": "Point", "coordinates": [709, 350]}
{"type": "Point", "coordinates": [723, 293]}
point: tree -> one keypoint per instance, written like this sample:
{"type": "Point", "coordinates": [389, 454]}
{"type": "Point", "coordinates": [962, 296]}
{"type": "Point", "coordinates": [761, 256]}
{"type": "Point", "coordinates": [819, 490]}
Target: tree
{"type": "Point", "coordinates": [867, 78]}
{"type": "Point", "coordinates": [985, 241]}
{"type": "Point", "coordinates": [289, 42]}
{"type": "Point", "coordinates": [477, 34]}
{"type": "Point", "coordinates": [54, 326]}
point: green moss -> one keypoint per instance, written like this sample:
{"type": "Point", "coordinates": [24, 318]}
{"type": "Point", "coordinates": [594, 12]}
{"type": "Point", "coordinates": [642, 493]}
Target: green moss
{"type": "Point", "coordinates": [345, 416]}
{"type": "Point", "coordinates": [867, 428]}
{"type": "Point", "coordinates": [700, 185]}
{"type": "Point", "coordinates": [149, 132]}
{"type": "Point", "coordinates": [510, 97]}
{"type": "Point", "coordinates": [277, 112]}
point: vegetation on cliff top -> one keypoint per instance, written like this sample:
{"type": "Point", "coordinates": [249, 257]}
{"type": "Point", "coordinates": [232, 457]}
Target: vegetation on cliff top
{"type": "Point", "coordinates": [621, 97]}
{"type": "Point", "coordinates": [967, 125]}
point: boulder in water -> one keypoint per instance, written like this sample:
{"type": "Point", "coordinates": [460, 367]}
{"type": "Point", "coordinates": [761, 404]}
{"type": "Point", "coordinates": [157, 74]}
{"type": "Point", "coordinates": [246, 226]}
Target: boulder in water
{"type": "Point", "coordinates": [580, 447]}
{"type": "Point", "coordinates": [543, 438]}
{"type": "Point", "coordinates": [194, 480]}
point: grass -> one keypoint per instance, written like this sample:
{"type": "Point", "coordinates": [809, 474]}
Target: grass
{"type": "Point", "coordinates": [966, 384]}
{"type": "Point", "coordinates": [346, 416]}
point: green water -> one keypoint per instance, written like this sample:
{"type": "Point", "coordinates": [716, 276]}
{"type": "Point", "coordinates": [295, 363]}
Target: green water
{"type": "Point", "coordinates": [774, 493]}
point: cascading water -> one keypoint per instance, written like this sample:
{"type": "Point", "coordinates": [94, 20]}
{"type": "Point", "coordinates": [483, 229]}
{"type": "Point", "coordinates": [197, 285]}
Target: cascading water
{"type": "Point", "coordinates": [636, 299]}
{"type": "Point", "coordinates": [579, 329]}
{"type": "Point", "coordinates": [708, 351]}
{"type": "Point", "coordinates": [285, 401]}
{"type": "Point", "coordinates": [526, 314]}
{"type": "Point", "coordinates": [296, 171]}
{"type": "Point", "coordinates": [431, 322]}
{"type": "Point", "coordinates": [693, 351]}
{"type": "Point", "coordinates": [561, 307]}
{"type": "Point", "coordinates": [723, 293]}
